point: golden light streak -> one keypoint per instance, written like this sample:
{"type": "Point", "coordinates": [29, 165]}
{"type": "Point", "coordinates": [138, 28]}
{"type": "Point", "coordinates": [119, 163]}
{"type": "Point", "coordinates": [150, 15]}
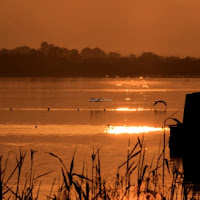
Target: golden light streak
{"type": "Point", "coordinates": [118, 84]}
{"type": "Point", "coordinates": [127, 99]}
{"type": "Point", "coordinates": [132, 109]}
{"type": "Point", "coordinates": [132, 129]}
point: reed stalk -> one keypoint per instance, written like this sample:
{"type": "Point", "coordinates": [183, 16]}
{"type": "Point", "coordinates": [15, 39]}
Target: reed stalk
{"type": "Point", "coordinates": [85, 186]}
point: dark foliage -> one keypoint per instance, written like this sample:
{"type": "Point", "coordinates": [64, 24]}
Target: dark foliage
{"type": "Point", "coordinates": [51, 60]}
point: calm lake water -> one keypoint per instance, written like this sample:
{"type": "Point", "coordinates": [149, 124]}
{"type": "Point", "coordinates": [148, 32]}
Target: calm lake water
{"type": "Point", "coordinates": [126, 112]}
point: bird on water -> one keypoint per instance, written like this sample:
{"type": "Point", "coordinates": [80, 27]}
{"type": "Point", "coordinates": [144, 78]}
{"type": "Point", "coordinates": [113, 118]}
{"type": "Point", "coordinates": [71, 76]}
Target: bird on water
{"type": "Point", "coordinates": [160, 101]}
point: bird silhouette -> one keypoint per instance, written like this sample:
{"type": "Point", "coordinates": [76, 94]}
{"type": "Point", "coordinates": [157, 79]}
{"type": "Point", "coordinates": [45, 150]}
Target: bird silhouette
{"type": "Point", "coordinates": [160, 101]}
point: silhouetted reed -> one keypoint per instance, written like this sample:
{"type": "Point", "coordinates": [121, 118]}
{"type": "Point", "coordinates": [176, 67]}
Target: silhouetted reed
{"type": "Point", "coordinates": [135, 179]}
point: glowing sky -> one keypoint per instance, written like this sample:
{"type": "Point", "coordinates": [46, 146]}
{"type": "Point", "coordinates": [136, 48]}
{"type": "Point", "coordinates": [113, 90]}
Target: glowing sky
{"type": "Point", "coordinates": [165, 27]}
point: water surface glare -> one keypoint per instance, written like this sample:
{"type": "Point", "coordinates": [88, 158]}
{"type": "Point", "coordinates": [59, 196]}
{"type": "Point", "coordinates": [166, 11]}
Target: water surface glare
{"type": "Point", "coordinates": [133, 129]}
{"type": "Point", "coordinates": [56, 115]}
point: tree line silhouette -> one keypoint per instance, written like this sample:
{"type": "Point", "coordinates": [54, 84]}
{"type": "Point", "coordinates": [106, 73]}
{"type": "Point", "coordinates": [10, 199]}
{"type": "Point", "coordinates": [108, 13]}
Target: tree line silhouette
{"type": "Point", "coordinates": [50, 60]}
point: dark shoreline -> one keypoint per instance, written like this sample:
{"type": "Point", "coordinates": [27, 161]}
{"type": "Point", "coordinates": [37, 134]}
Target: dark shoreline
{"type": "Point", "coordinates": [53, 61]}
{"type": "Point", "coordinates": [102, 77]}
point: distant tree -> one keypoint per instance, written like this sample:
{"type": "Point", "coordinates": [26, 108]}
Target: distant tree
{"type": "Point", "coordinates": [172, 59]}
{"type": "Point", "coordinates": [124, 60]}
{"type": "Point", "coordinates": [34, 52]}
{"type": "Point", "coordinates": [48, 49]}
{"type": "Point", "coordinates": [113, 57]}
{"type": "Point", "coordinates": [65, 53]}
{"type": "Point", "coordinates": [4, 52]}
{"type": "Point", "coordinates": [97, 53]}
{"type": "Point", "coordinates": [190, 59]}
{"type": "Point", "coordinates": [44, 45]}
{"type": "Point", "coordinates": [23, 50]}
{"type": "Point", "coordinates": [51, 60]}
{"type": "Point", "coordinates": [92, 54]}
{"type": "Point", "coordinates": [86, 53]}
{"type": "Point", "coordinates": [74, 55]}
{"type": "Point", "coordinates": [149, 57]}
{"type": "Point", "coordinates": [44, 48]}
{"type": "Point", "coordinates": [57, 51]}
{"type": "Point", "coordinates": [132, 58]}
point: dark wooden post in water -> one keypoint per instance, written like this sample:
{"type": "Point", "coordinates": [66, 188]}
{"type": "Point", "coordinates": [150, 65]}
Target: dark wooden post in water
{"type": "Point", "coordinates": [185, 138]}
{"type": "Point", "coordinates": [191, 151]}
{"type": "Point", "coordinates": [191, 118]}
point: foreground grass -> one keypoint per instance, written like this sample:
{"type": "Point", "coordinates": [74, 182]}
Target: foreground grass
{"type": "Point", "coordinates": [151, 179]}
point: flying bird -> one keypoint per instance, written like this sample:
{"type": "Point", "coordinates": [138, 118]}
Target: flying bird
{"type": "Point", "coordinates": [160, 101]}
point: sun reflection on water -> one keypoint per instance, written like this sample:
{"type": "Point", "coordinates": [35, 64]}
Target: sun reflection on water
{"type": "Point", "coordinates": [132, 129]}
{"type": "Point", "coordinates": [133, 109]}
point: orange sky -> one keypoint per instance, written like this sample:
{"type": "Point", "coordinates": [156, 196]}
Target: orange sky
{"type": "Point", "coordinates": [165, 27]}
